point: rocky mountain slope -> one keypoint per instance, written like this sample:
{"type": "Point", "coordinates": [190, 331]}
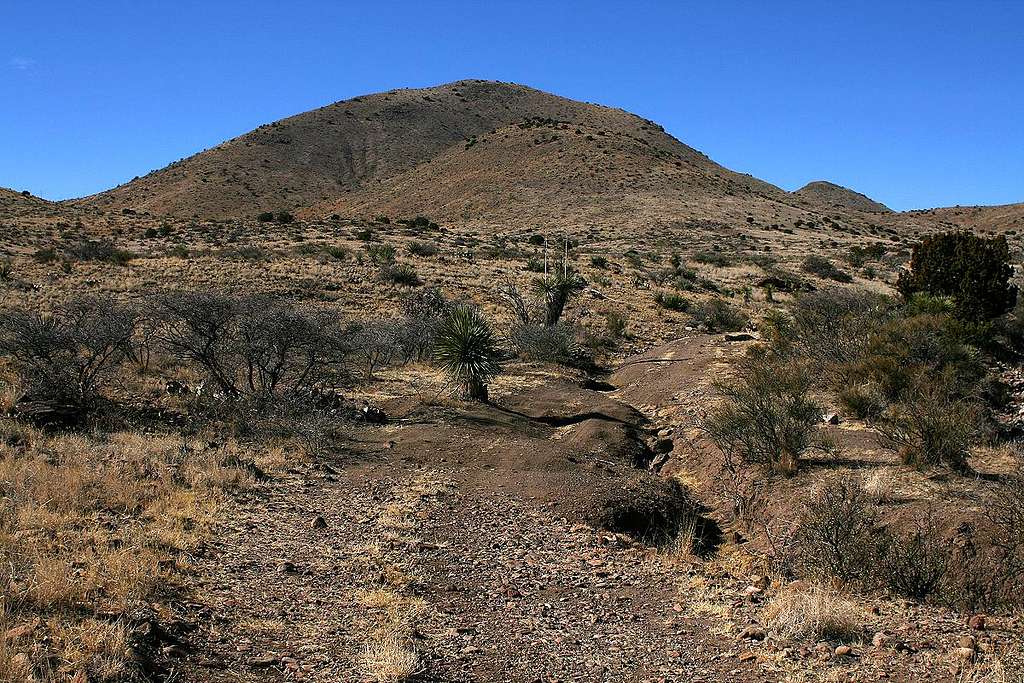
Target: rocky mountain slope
{"type": "Point", "coordinates": [830, 194]}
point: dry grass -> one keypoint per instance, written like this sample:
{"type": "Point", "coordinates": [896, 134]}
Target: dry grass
{"type": "Point", "coordinates": [92, 527]}
{"type": "Point", "coordinates": [814, 612]}
{"type": "Point", "coordinates": [389, 654]}
{"type": "Point", "coordinates": [988, 670]}
{"type": "Point", "coordinates": [389, 657]}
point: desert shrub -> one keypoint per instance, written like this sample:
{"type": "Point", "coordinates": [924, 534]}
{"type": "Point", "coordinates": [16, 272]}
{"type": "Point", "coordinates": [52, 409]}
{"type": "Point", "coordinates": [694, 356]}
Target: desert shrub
{"type": "Point", "coordinates": [380, 254]}
{"type": "Point", "coordinates": [64, 359]}
{"type": "Point", "coordinates": [718, 315]}
{"type": "Point", "coordinates": [6, 270]}
{"type": "Point", "coordinates": [989, 575]}
{"type": "Point", "coordinates": [375, 345]}
{"type": "Point", "coordinates": [419, 248]}
{"type": "Point", "coordinates": [400, 274]}
{"type": "Point", "coordinates": [337, 251]}
{"type": "Point", "coordinates": [45, 255]}
{"type": "Point", "coordinates": [556, 343]}
{"type": "Point", "coordinates": [423, 313]}
{"type": "Point", "coordinates": [975, 271]}
{"type": "Point", "coordinates": [903, 348]}
{"type": "Point", "coordinates": [713, 258]}
{"type": "Point", "coordinates": [254, 347]}
{"type": "Point", "coordinates": [814, 612]}
{"type": "Point", "coordinates": [836, 535]}
{"type": "Point", "coordinates": [284, 217]}
{"type": "Point", "coordinates": [766, 414]}
{"type": "Point", "coordinates": [915, 563]}
{"type": "Point", "coordinates": [101, 250]}
{"type": "Point", "coordinates": [615, 323]}
{"type": "Point", "coordinates": [467, 350]}
{"type": "Point", "coordinates": [672, 301]}
{"type": "Point", "coordinates": [265, 217]}
{"type": "Point", "coordinates": [822, 267]}
{"type": "Point", "coordinates": [599, 262]}
{"type": "Point", "coordinates": [930, 425]}
{"type": "Point", "coordinates": [862, 400]}
{"type": "Point", "coordinates": [536, 240]}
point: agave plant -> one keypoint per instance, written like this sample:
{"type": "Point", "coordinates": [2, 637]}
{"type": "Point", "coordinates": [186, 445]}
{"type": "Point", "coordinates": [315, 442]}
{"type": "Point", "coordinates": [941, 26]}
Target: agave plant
{"type": "Point", "coordinates": [467, 350]}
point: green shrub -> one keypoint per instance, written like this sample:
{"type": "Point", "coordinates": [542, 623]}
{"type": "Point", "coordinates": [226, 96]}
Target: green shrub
{"type": "Point", "coordinates": [672, 301]}
{"type": "Point", "coordinates": [599, 262]}
{"type": "Point", "coordinates": [400, 274]}
{"type": "Point", "coordinates": [766, 414]}
{"type": "Point", "coordinates": [930, 425]}
{"type": "Point", "coordinates": [418, 248]}
{"type": "Point", "coordinates": [467, 351]}
{"type": "Point", "coordinates": [718, 315]}
{"type": "Point", "coordinates": [822, 267]}
{"type": "Point", "coordinates": [380, 254]}
{"type": "Point", "coordinates": [974, 271]}
{"type": "Point", "coordinates": [265, 217]}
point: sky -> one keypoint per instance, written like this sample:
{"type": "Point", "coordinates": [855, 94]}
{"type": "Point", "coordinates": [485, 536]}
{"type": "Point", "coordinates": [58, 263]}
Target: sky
{"type": "Point", "coordinates": [914, 103]}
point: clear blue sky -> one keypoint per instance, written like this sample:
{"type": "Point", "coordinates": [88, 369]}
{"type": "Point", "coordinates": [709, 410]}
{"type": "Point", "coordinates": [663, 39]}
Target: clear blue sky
{"type": "Point", "coordinates": [915, 103]}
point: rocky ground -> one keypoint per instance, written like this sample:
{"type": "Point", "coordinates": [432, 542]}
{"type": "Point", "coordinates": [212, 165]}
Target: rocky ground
{"type": "Point", "coordinates": [468, 560]}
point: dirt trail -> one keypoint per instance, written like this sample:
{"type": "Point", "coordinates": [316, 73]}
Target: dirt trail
{"type": "Point", "coordinates": [489, 565]}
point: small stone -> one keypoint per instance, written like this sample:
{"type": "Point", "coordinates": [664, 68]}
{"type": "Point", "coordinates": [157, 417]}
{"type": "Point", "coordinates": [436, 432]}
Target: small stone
{"type": "Point", "coordinates": [761, 582]}
{"type": "Point", "coordinates": [880, 639]}
{"type": "Point", "coordinates": [265, 661]}
{"type": "Point", "coordinates": [977, 622]}
{"type": "Point", "coordinates": [832, 418]}
{"type": "Point", "coordinates": [747, 656]}
{"type": "Point", "coordinates": [286, 568]}
{"type": "Point", "coordinates": [753, 633]}
{"type": "Point", "coordinates": [965, 653]}
{"type": "Point", "coordinates": [21, 631]}
{"type": "Point", "coordinates": [968, 641]}
{"type": "Point", "coordinates": [318, 522]}
{"type": "Point", "coordinates": [843, 650]}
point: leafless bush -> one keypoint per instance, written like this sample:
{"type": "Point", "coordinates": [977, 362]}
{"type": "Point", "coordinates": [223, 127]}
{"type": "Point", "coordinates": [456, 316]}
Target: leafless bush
{"type": "Point", "coordinates": [253, 347]}
{"type": "Point", "coordinates": [64, 359]}
{"type": "Point", "coordinates": [915, 564]}
{"type": "Point", "coordinates": [836, 535]}
{"type": "Point", "coordinates": [376, 344]}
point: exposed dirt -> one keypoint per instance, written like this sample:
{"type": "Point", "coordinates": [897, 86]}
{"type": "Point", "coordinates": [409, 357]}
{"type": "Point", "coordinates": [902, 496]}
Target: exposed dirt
{"type": "Point", "coordinates": [505, 556]}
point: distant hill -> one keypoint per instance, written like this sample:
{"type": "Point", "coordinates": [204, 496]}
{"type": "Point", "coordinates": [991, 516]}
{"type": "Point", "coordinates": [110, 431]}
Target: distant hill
{"type": "Point", "coordinates": [492, 153]}
{"type": "Point", "coordinates": [829, 194]}
{"type": "Point", "coordinates": [483, 149]}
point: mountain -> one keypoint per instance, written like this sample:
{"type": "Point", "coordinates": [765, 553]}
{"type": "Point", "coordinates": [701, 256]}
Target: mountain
{"type": "Point", "coordinates": [829, 194]}
{"type": "Point", "coordinates": [482, 149]}
{"type": "Point", "coordinates": [491, 153]}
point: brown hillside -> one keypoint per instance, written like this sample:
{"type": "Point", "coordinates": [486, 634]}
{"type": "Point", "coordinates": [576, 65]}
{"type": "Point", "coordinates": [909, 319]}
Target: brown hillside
{"type": "Point", "coordinates": [14, 204]}
{"type": "Point", "coordinates": [832, 195]}
{"type": "Point", "coordinates": [565, 174]}
{"type": "Point", "coordinates": [323, 154]}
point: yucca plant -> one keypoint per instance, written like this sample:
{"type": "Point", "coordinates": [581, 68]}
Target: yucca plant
{"type": "Point", "coordinates": [467, 350]}
{"type": "Point", "coordinates": [556, 291]}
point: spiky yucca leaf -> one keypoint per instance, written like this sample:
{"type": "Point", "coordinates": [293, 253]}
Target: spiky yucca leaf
{"type": "Point", "coordinates": [467, 350]}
